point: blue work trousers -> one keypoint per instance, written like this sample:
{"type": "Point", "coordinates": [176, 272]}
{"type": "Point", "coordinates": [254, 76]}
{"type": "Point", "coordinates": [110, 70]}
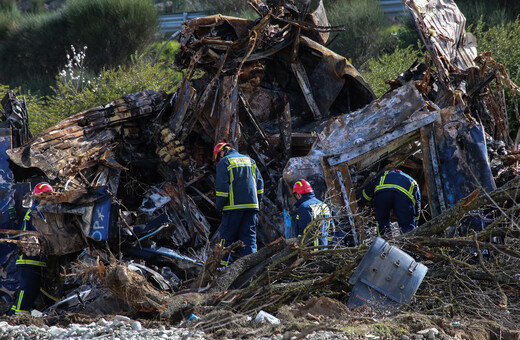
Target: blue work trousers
{"type": "Point", "coordinates": [30, 278]}
{"type": "Point", "coordinates": [239, 225]}
{"type": "Point", "coordinates": [403, 207]}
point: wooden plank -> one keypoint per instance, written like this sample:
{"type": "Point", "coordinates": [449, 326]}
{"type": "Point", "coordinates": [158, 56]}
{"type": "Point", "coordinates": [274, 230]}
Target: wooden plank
{"type": "Point", "coordinates": [431, 171]}
{"type": "Point", "coordinates": [303, 80]}
{"type": "Point", "coordinates": [379, 142]}
{"type": "Point", "coordinates": [284, 124]}
{"type": "Point", "coordinates": [349, 197]}
{"type": "Point", "coordinates": [255, 122]}
{"type": "Point", "coordinates": [227, 109]}
{"type": "Point", "coordinates": [366, 160]}
{"type": "Point", "coordinates": [339, 184]}
{"type": "Point", "coordinates": [186, 94]}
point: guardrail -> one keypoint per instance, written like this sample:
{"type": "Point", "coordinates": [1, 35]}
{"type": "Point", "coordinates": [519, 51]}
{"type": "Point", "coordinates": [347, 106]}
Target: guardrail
{"type": "Point", "coordinates": [392, 8]}
{"type": "Point", "coordinates": [171, 23]}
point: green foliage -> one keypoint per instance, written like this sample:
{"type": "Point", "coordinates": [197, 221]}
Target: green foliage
{"type": "Point", "coordinates": [366, 35]}
{"type": "Point", "coordinates": [168, 52]}
{"type": "Point", "coordinates": [3, 90]}
{"type": "Point", "coordinates": [34, 50]}
{"type": "Point", "coordinates": [171, 6]}
{"type": "Point", "coordinates": [491, 12]}
{"type": "Point", "coordinates": [502, 41]}
{"type": "Point", "coordinates": [407, 33]}
{"type": "Point", "coordinates": [9, 15]}
{"type": "Point", "coordinates": [36, 6]}
{"type": "Point", "coordinates": [112, 29]}
{"type": "Point", "coordinates": [76, 93]}
{"type": "Point", "coordinates": [35, 46]}
{"type": "Point", "coordinates": [225, 7]}
{"type": "Point", "coordinates": [388, 67]}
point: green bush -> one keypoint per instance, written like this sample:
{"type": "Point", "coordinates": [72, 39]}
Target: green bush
{"type": "Point", "coordinates": [388, 66]}
{"type": "Point", "coordinates": [35, 47]}
{"type": "Point", "coordinates": [74, 93]}
{"type": "Point", "coordinates": [9, 15]}
{"type": "Point", "coordinates": [491, 12]}
{"type": "Point", "coordinates": [112, 29]}
{"type": "Point", "coordinates": [366, 35]}
{"type": "Point", "coordinates": [502, 41]}
{"type": "Point", "coordinates": [34, 50]}
{"type": "Point", "coordinates": [167, 55]}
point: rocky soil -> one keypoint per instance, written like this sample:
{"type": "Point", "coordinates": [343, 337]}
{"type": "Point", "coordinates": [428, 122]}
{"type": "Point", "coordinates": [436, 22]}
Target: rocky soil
{"type": "Point", "coordinates": [319, 318]}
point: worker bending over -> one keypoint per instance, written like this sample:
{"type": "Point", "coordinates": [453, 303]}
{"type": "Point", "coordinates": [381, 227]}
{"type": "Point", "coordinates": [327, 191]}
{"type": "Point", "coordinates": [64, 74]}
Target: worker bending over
{"type": "Point", "coordinates": [397, 191]}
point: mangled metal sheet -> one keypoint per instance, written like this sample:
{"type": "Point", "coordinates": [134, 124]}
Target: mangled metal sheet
{"type": "Point", "coordinates": [345, 137]}
{"type": "Point", "coordinates": [441, 26]}
{"type": "Point", "coordinates": [460, 162]}
{"type": "Point", "coordinates": [78, 141]}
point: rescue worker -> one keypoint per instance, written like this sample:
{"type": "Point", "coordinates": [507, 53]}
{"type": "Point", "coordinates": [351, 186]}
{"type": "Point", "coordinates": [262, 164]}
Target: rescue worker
{"type": "Point", "coordinates": [30, 268]}
{"type": "Point", "coordinates": [309, 209]}
{"type": "Point", "coordinates": [239, 191]}
{"type": "Point", "coordinates": [398, 191]}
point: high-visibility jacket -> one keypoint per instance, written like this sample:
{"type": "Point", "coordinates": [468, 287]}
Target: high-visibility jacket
{"type": "Point", "coordinates": [395, 180]}
{"type": "Point", "coordinates": [25, 260]}
{"type": "Point", "coordinates": [239, 183]}
{"type": "Point", "coordinates": [309, 209]}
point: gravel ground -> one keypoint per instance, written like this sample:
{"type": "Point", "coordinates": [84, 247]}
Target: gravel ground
{"type": "Point", "coordinates": [123, 327]}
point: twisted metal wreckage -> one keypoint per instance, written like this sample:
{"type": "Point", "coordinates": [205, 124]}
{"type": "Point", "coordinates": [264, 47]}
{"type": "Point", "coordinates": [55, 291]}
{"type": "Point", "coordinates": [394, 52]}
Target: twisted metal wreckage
{"type": "Point", "coordinates": [135, 179]}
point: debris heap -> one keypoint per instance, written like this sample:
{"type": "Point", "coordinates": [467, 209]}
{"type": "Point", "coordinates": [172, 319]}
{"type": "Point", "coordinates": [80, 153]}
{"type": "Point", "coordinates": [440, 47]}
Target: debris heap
{"type": "Point", "coordinates": [135, 179]}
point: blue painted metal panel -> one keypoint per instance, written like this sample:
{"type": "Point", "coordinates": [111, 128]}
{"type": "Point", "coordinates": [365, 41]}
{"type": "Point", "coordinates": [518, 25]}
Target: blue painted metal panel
{"type": "Point", "coordinates": [8, 251]}
{"type": "Point", "coordinates": [100, 225]}
{"type": "Point", "coordinates": [462, 175]}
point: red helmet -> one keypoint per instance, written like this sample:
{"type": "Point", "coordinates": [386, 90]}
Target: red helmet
{"type": "Point", "coordinates": [42, 187]}
{"type": "Point", "coordinates": [302, 187]}
{"type": "Point", "coordinates": [219, 147]}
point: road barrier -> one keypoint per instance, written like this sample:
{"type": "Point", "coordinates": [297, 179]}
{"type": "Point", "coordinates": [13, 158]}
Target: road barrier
{"type": "Point", "coordinates": [171, 23]}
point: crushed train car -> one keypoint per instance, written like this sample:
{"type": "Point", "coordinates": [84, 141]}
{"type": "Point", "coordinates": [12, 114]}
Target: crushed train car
{"type": "Point", "coordinates": [135, 177]}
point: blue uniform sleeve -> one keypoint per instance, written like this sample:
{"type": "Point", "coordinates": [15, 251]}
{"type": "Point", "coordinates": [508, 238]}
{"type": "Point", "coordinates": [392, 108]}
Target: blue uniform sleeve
{"type": "Point", "coordinates": [259, 185]}
{"type": "Point", "coordinates": [303, 219]}
{"type": "Point", "coordinates": [368, 192]}
{"type": "Point", "coordinates": [222, 185]}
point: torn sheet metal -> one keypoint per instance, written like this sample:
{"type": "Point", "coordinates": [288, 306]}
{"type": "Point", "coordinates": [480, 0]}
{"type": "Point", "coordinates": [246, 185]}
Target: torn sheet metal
{"type": "Point", "coordinates": [463, 159]}
{"type": "Point", "coordinates": [273, 75]}
{"type": "Point", "coordinates": [441, 26]}
{"type": "Point", "coordinates": [65, 226]}
{"type": "Point", "coordinates": [319, 19]}
{"type": "Point", "coordinates": [72, 144]}
{"type": "Point", "coordinates": [341, 135]}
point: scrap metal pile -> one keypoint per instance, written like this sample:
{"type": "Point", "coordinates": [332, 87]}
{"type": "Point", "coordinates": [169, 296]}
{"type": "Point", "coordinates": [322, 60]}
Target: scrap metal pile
{"type": "Point", "coordinates": [133, 210]}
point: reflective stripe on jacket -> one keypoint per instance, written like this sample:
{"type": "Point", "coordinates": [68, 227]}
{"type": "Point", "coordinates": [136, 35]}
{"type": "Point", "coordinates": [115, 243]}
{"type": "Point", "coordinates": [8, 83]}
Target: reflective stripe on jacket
{"type": "Point", "coordinates": [29, 260]}
{"type": "Point", "coordinates": [398, 181]}
{"type": "Point", "coordinates": [239, 183]}
{"type": "Point", "coordinates": [309, 209]}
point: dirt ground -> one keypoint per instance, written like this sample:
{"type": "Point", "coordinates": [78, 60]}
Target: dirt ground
{"type": "Point", "coordinates": [298, 320]}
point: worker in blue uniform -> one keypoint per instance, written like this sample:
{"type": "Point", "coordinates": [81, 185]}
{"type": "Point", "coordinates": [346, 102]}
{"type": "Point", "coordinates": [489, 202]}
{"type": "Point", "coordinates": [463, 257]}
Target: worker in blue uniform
{"type": "Point", "coordinates": [239, 191]}
{"type": "Point", "coordinates": [310, 209]}
{"type": "Point", "coordinates": [397, 191]}
{"type": "Point", "coordinates": [30, 268]}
